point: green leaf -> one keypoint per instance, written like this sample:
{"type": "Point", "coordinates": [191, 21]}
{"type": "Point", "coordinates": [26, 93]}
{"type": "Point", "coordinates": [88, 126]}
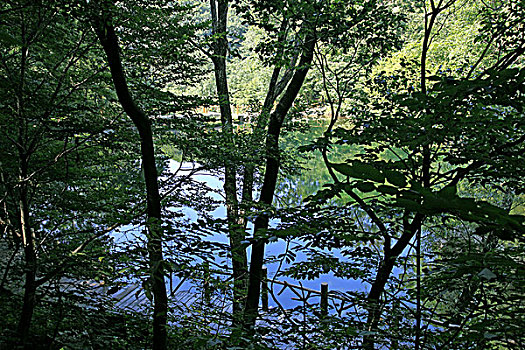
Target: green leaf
{"type": "Point", "coordinates": [365, 186]}
{"type": "Point", "coordinates": [359, 170]}
{"type": "Point", "coordinates": [343, 168]}
{"type": "Point", "coordinates": [410, 194]}
{"type": "Point", "coordinates": [395, 178]}
{"type": "Point", "coordinates": [386, 189]}
{"type": "Point", "coordinates": [146, 285]}
{"type": "Point", "coordinates": [466, 204]}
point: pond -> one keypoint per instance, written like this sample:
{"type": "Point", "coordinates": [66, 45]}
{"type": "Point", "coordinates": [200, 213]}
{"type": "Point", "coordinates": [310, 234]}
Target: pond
{"type": "Point", "coordinates": [291, 191]}
{"type": "Point", "coordinates": [293, 188]}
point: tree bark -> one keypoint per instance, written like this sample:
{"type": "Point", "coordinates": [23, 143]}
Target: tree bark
{"type": "Point", "coordinates": [270, 179]}
{"type": "Point", "coordinates": [107, 37]}
{"type": "Point", "coordinates": [383, 273]}
{"type": "Point", "coordinates": [236, 233]}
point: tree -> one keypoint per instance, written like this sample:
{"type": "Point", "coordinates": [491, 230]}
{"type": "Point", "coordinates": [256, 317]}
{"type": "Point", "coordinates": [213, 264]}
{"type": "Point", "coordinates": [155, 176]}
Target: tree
{"type": "Point", "coordinates": [109, 41]}
{"type": "Point", "coordinates": [104, 21]}
{"type": "Point", "coordinates": [68, 130]}
{"type": "Point", "coordinates": [402, 183]}
{"type": "Point", "coordinates": [48, 149]}
{"type": "Point", "coordinates": [218, 54]}
{"type": "Point", "coordinates": [327, 22]}
{"type": "Point", "coordinates": [233, 159]}
{"type": "Point", "coordinates": [424, 148]}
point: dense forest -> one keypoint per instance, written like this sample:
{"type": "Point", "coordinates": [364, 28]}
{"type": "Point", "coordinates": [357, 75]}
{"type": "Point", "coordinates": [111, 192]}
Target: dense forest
{"type": "Point", "coordinates": [262, 174]}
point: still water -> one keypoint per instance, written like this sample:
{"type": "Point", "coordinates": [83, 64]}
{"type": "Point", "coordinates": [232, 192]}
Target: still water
{"type": "Point", "coordinates": [291, 191]}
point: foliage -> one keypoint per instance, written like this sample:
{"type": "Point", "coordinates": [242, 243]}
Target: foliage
{"type": "Point", "coordinates": [399, 172]}
{"type": "Point", "coordinates": [420, 141]}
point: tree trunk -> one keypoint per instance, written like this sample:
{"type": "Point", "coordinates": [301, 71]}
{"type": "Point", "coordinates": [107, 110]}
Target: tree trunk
{"type": "Point", "coordinates": [383, 273]}
{"type": "Point", "coordinates": [374, 300]}
{"type": "Point", "coordinates": [30, 286]}
{"type": "Point", "coordinates": [271, 96]}
{"type": "Point", "coordinates": [30, 257]}
{"type": "Point", "coordinates": [270, 180]}
{"type": "Point", "coordinates": [106, 34]}
{"type": "Point", "coordinates": [236, 223]}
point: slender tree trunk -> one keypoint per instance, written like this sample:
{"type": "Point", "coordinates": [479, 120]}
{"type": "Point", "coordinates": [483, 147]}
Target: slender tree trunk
{"type": "Point", "coordinates": [271, 96]}
{"type": "Point", "coordinates": [386, 266]}
{"type": "Point", "coordinates": [106, 34]}
{"type": "Point", "coordinates": [383, 273]}
{"type": "Point", "coordinates": [236, 223]}
{"type": "Point", "coordinates": [236, 211]}
{"type": "Point", "coordinates": [270, 180]}
{"type": "Point", "coordinates": [374, 300]}
{"type": "Point", "coordinates": [30, 286]}
{"type": "Point", "coordinates": [28, 244]}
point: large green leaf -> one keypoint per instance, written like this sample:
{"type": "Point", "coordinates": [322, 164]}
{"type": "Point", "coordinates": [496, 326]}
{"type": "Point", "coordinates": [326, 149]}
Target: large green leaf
{"type": "Point", "coordinates": [359, 170]}
{"type": "Point", "coordinates": [490, 217]}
